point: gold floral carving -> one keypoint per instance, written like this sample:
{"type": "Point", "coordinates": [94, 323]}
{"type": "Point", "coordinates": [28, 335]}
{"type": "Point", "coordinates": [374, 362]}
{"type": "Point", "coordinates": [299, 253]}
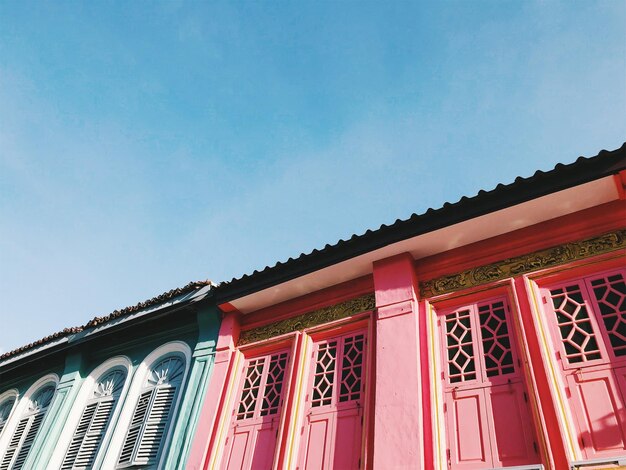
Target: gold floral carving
{"type": "Point", "coordinates": [307, 320]}
{"type": "Point", "coordinates": [525, 264]}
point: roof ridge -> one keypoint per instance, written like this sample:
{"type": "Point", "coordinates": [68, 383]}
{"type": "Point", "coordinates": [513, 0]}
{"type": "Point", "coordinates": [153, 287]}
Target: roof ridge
{"type": "Point", "coordinates": [430, 212]}
{"type": "Point", "coordinates": [96, 321]}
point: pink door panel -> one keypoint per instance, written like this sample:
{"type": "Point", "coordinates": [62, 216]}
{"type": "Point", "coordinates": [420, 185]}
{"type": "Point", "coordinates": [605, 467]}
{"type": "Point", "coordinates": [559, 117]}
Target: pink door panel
{"type": "Point", "coordinates": [513, 436]}
{"type": "Point", "coordinates": [236, 452]}
{"type": "Point", "coordinates": [251, 442]}
{"type": "Point", "coordinates": [318, 442]}
{"type": "Point", "coordinates": [333, 429]}
{"type": "Point", "coordinates": [598, 412]}
{"type": "Point", "coordinates": [347, 439]}
{"type": "Point", "coordinates": [468, 432]}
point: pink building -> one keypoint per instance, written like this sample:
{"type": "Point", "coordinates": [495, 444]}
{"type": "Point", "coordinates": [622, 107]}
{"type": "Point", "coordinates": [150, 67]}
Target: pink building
{"type": "Point", "coordinates": [488, 333]}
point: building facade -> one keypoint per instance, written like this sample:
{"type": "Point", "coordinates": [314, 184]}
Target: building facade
{"type": "Point", "coordinates": [123, 391]}
{"type": "Point", "coordinates": [490, 333]}
{"type": "Point", "coordinates": [487, 334]}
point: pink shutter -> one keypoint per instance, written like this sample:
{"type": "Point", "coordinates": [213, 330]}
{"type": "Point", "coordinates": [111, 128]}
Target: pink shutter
{"type": "Point", "coordinates": [486, 408]}
{"type": "Point", "coordinates": [333, 427]}
{"type": "Point", "coordinates": [587, 320]}
{"type": "Point", "coordinates": [251, 442]}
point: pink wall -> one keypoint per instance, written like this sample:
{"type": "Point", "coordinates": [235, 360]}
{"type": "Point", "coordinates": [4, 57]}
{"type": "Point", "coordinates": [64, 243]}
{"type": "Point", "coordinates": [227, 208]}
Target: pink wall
{"type": "Point", "coordinates": [397, 436]}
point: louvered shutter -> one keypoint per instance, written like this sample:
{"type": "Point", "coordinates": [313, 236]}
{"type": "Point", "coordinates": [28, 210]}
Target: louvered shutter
{"type": "Point", "coordinates": [79, 435]}
{"type": "Point", "coordinates": [139, 416]}
{"type": "Point", "coordinates": [156, 423]}
{"type": "Point", "coordinates": [88, 435]}
{"type": "Point", "coordinates": [30, 434]}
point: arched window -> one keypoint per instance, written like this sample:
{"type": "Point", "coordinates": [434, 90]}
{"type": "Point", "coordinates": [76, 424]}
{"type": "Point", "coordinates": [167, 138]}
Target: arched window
{"type": "Point", "coordinates": [94, 421]}
{"type": "Point", "coordinates": [27, 429]}
{"type": "Point", "coordinates": [6, 406]}
{"type": "Point", "coordinates": [153, 412]}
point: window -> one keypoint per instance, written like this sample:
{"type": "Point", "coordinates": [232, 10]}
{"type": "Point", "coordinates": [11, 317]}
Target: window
{"type": "Point", "coordinates": [484, 388]}
{"type": "Point", "coordinates": [586, 317]}
{"type": "Point", "coordinates": [27, 428]}
{"type": "Point", "coordinates": [153, 413]}
{"type": "Point", "coordinates": [94, 421]}
{"type": "Point", "coordinates": [334, 405]}
{"type": "Point", "coordinates": [6, 406]}
{"type": "Point", "coordinates": [251, 441]}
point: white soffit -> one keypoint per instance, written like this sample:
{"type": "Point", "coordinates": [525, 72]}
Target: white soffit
{"type": "Point", "coordinates": [480, 228]}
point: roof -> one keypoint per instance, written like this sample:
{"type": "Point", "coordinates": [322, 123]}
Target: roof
{"type": "Point", "coordinates": [583, 170]}
{"type": "Point", "coordinates": [97, 321]}
{"type": "Point", "coordinates": [541, 183]}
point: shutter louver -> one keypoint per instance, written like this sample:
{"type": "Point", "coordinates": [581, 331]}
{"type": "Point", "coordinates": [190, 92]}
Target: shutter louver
{"type": "Point", "coordinates": [155, 425]}
{"type": "Point", "coordinates": [135, 427]}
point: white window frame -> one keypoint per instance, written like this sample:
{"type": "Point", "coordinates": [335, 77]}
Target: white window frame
{"type": "Point", "coordinates": [21, 408]}
{"type": "Point", "coordinates": [136, 387]}
{"type": "Point", "coordinates": [86, 389]}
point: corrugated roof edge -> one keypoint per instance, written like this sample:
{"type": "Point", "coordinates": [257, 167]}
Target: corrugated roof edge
{"type": "Point", "coordinates": [563, 176]}
{"type": "Point", "coordinates": [96, 321]}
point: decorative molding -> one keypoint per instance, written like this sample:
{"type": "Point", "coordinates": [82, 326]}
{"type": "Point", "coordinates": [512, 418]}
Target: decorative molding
{"type": "Point", "coordinates": [307, 320]}
{"type": "Point", "coordinates": [524, 264]}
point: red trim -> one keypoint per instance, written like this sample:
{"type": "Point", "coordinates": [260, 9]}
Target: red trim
{"type": "Point", "coordinates": [620, 184]}
{"type": "Point", "coordinates": [572, 227]}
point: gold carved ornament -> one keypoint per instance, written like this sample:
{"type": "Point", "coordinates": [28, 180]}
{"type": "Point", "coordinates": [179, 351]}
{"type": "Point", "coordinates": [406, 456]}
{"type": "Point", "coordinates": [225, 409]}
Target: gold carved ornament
{"type": "Point", "coordinates": [307, 320]}
{"type": "Point", "coordinates": [524, 264]}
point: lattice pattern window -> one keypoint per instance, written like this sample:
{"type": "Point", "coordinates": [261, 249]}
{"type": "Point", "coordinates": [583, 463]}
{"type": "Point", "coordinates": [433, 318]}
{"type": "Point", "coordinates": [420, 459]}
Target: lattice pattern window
{"type": "Point", "coordinates": [460, 347]}
{"type": "Point", "coordinates": [338, 370]}
{"type": "Point", "coordinates": [274, 384]}
{"type": "Point", "coordinates": [574, 324]}
{"type": "Point", "coordinates": [610, 293]}
{"type": "Point", "coordinates": [250, 391]}
{"type": "Point", "coordinates": [94, 421]}
{"type": "Point", "coordinates": [27, 429]}
{"type": "Point", "coordinates": [153, 413]}
{"type": "Point", "coordinates": [262, 388]}
{"type": "Point", "coordinates": [496, 343]}
{"type": "Point", "coordinates": [352, 368]}
{"type": "Point", "coordinates": [5, 410]}
{"type": "Point", "coordinates": [324, 377]}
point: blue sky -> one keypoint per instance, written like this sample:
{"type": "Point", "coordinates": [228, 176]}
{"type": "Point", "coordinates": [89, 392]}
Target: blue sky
{"type": "Point", "coordinates": [144, 145]}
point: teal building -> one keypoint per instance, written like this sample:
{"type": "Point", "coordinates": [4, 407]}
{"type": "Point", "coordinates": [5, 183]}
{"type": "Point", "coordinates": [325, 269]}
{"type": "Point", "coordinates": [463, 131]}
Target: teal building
{"type": "Point", "coordinates": [122, 391]}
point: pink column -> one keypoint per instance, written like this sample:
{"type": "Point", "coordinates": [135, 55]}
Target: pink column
{"type": "Point", "coordinates": [398, 435]}
{"type": "Point", "coordinates": [215, 396]}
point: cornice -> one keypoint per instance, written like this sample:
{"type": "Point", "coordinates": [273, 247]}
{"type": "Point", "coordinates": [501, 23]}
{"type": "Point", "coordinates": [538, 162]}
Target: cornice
{"type": "Point", "coordinates": [525, 264]}
{"type": "Point", "coordinates": [309, 319]}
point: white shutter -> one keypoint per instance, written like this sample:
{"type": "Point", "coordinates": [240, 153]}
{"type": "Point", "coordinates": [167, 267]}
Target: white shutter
{"type": "Point", "coordinates": [95, 434]}
{"type": "Point", "coordinates": [79, 435]}
{"type": "Point", "coordinates": [139, 416]}
{"type": "Point", "coordinates": [156, 424]}
{"type": "Point", "coordinates": [88, 435]}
